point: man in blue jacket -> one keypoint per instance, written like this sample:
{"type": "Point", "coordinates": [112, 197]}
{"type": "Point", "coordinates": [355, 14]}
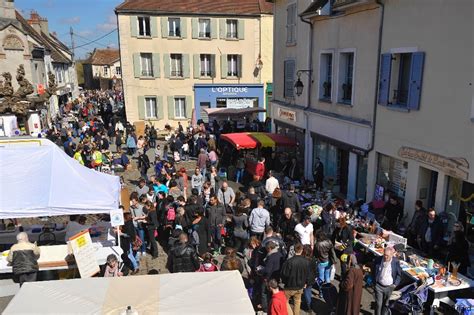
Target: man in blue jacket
{"type": "Point", "coordinates": [388, 275]}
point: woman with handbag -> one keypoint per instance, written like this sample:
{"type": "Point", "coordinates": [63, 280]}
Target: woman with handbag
{"type": "Point", "coordinates": [151, 226]}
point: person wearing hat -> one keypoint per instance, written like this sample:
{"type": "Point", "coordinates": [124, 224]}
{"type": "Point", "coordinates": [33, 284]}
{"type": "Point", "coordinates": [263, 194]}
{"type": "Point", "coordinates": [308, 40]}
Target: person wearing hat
{"type": "Point", "coordinates": [350, 288]}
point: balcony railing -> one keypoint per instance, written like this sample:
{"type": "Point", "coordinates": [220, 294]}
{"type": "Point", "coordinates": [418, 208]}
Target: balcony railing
{"type": "Point", "coordinates": [147, 73]}
{"type": "Point", "coordinates": [327, 89]}
{"type": "Point", "coordinates": [400, 97]}
{"type": "Point", "coordinates": [176, 73]}
{"type": "Point", "coordinates": [346, 92]}
{"type": "Point", "coordinates": [232, 35]}
{"type": "Point", "coordinates": [205, 73]}
{"type": "Point", "coordinates": [175, 33]}
{"type": "Point", "coordinates": [204, 34]}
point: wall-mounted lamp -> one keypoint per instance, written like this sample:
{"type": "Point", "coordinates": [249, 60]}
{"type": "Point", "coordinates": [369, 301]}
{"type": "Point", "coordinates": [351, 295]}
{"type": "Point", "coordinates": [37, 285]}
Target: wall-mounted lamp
{"type": "Point", "coordinates": [299, 86]}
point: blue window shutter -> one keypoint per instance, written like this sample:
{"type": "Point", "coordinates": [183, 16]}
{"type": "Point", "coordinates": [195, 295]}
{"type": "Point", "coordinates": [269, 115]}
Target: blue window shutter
{"type": "Point", "coordinates": [384, 84]}
{"type": "Point", "coordinates": [416, 75]}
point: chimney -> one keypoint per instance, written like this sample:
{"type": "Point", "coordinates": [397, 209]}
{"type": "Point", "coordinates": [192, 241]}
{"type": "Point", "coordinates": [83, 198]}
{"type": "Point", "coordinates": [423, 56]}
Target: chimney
{"type": "Point", "coordinates": [38, 23]}
{"type": "Point", "coordinates": [7, 9]}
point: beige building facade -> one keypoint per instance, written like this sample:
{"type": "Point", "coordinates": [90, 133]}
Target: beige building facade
{"type": "Point", "coordinates": [332, 115]}
{"type": "Point", "coordinates": [424, 147]}
{"type": "Point", "coordinates": [192, 60]}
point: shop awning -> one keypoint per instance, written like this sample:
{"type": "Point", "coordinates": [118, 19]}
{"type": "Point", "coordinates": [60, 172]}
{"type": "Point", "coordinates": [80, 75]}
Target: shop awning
{"type": "Point", "coordinates": [233, 111]}
{"type": "Point", "coordinates": [252, 140]}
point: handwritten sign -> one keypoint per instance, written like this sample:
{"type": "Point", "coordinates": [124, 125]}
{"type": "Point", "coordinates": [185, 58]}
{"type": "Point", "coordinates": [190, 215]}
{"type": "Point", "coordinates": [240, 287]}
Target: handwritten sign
{"type": "Point", "coordinates": [84, 254]}
{"type": "Point", "coordinates": [455, 167]}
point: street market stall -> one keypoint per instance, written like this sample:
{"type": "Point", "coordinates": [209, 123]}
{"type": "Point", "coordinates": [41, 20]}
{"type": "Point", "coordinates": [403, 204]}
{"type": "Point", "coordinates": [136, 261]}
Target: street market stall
{"type": "Point", "coordinates": [251, 143]}
{"type": "Point", "coordinates": [39, 179]}
{"type": "Point", "coordinates": [180, 293]}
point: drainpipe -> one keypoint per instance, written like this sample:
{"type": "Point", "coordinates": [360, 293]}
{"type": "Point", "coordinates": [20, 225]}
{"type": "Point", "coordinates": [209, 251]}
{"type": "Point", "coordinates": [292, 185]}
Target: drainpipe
{"type": "Point", "coordinates": [308, 150]}
{"type": "Point", "coordinates": [377, 80]}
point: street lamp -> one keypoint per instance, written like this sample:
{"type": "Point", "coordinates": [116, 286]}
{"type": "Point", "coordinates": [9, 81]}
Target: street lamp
{"type": "Point", "coordinates": [299, 86]}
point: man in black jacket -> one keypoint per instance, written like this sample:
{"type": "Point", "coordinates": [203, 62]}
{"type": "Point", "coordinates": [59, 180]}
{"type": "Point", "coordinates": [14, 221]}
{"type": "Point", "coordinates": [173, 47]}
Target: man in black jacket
{"type": "Point", "coordinates": [24, 259]}
{"type": "Point", "coordinates": [296, 274]}
{"type": "Point", "coordinates": [183, 257]}
{"type": "Point", "coordinates": [269, 270]}
{"type": "Point", "coordinates": [289, 199]}
{"type": "Point", "coordinates": [216, 215]}
{"type": "Point", "coordinates": [430, 233]}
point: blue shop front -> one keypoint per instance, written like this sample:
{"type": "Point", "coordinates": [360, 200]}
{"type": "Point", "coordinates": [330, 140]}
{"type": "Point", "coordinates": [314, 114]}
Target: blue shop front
{"type": "Point", "coordinates": [227, 96]}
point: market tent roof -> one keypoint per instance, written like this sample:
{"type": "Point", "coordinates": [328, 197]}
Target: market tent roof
{"type": "Point", "coordinates": [240, 140]}
{"type": "Point", "coordinates": [178, 293]}
{"type": "Point", "coordinates": [252, 140]}
{"type": "Point", "coordinates": [233, 111]}
{"type": "Point", "coordinates": [39, 179]}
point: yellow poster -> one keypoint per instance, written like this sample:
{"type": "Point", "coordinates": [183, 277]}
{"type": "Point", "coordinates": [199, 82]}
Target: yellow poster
{"type": "Point", "coordinates": [84, 254]}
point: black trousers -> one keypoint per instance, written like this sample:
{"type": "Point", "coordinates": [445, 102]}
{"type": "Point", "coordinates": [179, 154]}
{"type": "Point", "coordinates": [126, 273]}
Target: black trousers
{"type": "Point", "coordinates": [153, 245]}
{"type": "Point", "coordinates": [27, 277]}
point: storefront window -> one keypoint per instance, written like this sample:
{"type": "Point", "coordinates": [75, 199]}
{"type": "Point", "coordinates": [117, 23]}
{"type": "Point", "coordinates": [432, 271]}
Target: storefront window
{"type": "Point", "coordinates": [392, 175]}
{"type": "Point", "coordinates": [362, 162]}
{"type": "Point", "coordinates": [328, 154]}
{"type": "Point", "coordinates": [298, 135]}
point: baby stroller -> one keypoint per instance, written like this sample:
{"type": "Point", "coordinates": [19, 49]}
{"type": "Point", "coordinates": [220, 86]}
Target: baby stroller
{"type": "Point", "coordinates": [411, 298]}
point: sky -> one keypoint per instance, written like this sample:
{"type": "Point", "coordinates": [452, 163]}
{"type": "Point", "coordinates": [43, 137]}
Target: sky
{"type": "Point", "coordinates": [90, 19]}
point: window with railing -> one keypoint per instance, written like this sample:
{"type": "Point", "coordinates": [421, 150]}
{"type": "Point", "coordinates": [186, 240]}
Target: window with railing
{"type": "Point", "coordinates": [232, 29]}
{"type": "Point", "coordinates": [205, 69]}
{"type": "Point", "coordinates": [176, 65]}
{"type": "Point", "coordinates": [233, 66]}
{"type": "Point", "coordinates": [146, 64]}
{"type": "Point", "coordinates": [204, 28]}
{"type": "Point", "coordinates": [144, 26]}
{"type": "Point", "coordinates": [346, 75]}
{"type": "Point", "coordinates": [180, 108]}
{"type": "Point", "coordinates": [325, 87]}
{"type": "Point", "coordinates": [174, 27]}
{"type": "Point", "coordinates": [150, 107]}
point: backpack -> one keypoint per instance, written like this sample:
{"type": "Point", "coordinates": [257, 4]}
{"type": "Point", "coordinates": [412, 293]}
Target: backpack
{"type": "Point", "coordinates": [171, 214]}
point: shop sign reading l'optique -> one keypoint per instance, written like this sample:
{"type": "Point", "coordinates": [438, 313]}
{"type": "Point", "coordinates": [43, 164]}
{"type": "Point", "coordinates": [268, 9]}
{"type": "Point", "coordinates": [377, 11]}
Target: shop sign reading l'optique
{"type": "Point", "coordinates": [287, 114]}
{"type": "Point", "coordinates": [455, 167]}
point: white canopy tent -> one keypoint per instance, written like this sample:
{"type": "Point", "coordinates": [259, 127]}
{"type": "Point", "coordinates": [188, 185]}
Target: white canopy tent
{"type": "Point", "coordinates": [220, 292]}
{"type": "Point", "coordinates": [38, 179]}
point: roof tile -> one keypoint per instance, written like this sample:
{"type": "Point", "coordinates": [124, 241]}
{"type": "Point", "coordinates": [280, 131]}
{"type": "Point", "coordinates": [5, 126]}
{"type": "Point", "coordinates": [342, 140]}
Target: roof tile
{"type": "Point", "coordinates": [228, 7]}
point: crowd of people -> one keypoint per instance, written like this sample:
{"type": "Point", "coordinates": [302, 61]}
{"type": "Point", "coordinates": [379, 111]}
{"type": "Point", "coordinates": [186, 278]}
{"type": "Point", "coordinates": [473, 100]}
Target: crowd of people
{"type": "Point", "coordinates": [284, 252]}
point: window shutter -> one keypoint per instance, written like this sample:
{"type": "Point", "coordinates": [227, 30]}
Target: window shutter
{"type": "Point", "coordinates": [289, 70]}
{"type": "Point", "coordinates": [141, 107]}
{"type": "Point", "coordinates": [164, 27]}
{"type": "Point", "coordinates": [384, 84]}
{"type": "Point", "coordinates": [241, 29]}
{"type": "Point", "coordinates": [156, 65]}
{"type": "Point", "coordinates": [184, 27]}
{"type": "Point", "coordinates": [189, 106]}
{"type": "Point", "coordinates": [159, 107]}
{"type": "Point", "coordinates": [416, 76]}
{"type": "Point", "coordinates": [224, 66]}
{"type": "Point", "coordinates": [222, 28]}
{"type": "Point", "coordinates": [136, 65]}
{"type": "Point", "coordinates": [153, 26]}
{"type": "Point", "coordinates": [213, 66]}
{"type": "Point", "coordinates": [239, 66]}
{"type": "Point", "coordinates": [134, 26]}
{"type": "Point", "coordinates": [186, 70]}
{"type": "Point", "coordinates": [195, 27]}
{"type": "Point", "coordinates": [170, 107]}
{"type": "Point", "coordinates": [213, 28]}
{"type": "Point", "coordinates": [166, 65]}
{"type": "Point", "coordinates": [196, 66]}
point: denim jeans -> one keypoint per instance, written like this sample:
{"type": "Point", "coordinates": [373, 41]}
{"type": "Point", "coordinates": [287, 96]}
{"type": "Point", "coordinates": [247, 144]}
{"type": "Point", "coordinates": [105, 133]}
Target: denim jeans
{"type": "Point", "coordinates": [324, 270]}
{"type": "Point", "coordinates": [307, 293]}
{"type": "Point", "coordinates": [141, 235]}
{"type": "Point", "coordinates": [239, 175]}
{"type": "Point", "coordinates": [203, 172]}
{"type": "Point", "coordinates": [132, 258]}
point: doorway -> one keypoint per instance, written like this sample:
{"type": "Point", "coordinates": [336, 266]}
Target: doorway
{"type": "Point", "coordinates": [427, 185]}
